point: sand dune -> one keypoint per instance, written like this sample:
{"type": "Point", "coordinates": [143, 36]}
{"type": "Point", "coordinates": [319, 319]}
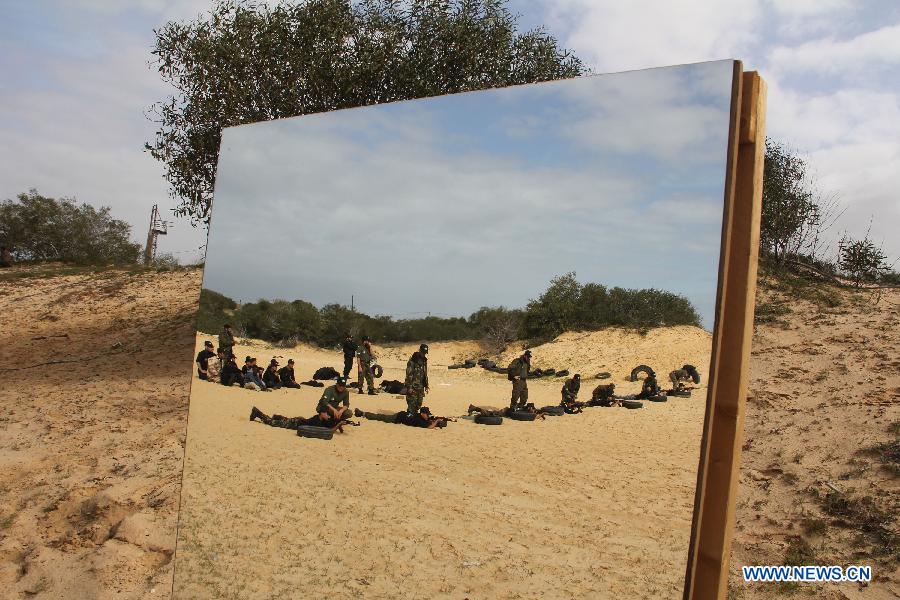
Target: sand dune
{"type": "Point", "coordinates": [91, 445]}
{"type": "Point", "coordinates": [593, 505]}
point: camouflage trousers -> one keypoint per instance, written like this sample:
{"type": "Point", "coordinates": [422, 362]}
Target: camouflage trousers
{"type": "Point", "coordinates": [519, 393]}
{"type": "Point", "coordinates": [414, 399]}
{"type": "Point", "coordinates": [364, 371]}
{"type": "Point", "coordinates": [392, 418]}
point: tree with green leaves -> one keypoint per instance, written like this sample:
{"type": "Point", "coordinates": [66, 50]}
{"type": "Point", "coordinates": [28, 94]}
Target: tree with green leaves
{"type": "Point", "coordinates": [861, 260]}
{"type": "Point", "coordinates": [39, 228]}
{"type": "Point", "coordinates": [794, 215]}
{"type": "Point", "coordinates": [243, 63]}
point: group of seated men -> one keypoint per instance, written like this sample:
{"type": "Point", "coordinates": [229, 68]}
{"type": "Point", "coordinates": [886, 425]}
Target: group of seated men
{"type": "Point", "coordinates": [221, 367]}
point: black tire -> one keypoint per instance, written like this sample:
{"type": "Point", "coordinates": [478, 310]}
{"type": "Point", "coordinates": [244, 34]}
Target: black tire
{"type": "Point", "coordinates": [468, 366]}
{"type": "Point", "coordinates": [377, 371]}
{"type": "Point", "coordinates": [604, 375]}
{"type": "Point", "coordinates": [456, 367]}
{"type": "Point", "coordinates": [659, 398]}
{"type": "Point", "coordinates": [641, 369]}
{"type": "Point", "coordinates": [553, 411]}
{"type": "Point", "coordinates": [679, 393]}
{"type": "Point", "coordinates": [469, 363]}
{"type": "Point", "coordinates": [549, 372]}
{"type": "Point", "coordinates": [632, 404]}
{"type": "Point", "coordinates": [484, 420]}
{"type": "Point", "coordinates": [521, 415]}
{"type": "Point", "coordinates": [563, 373]}
{"type": "Point", "coordinates": [320, 433]}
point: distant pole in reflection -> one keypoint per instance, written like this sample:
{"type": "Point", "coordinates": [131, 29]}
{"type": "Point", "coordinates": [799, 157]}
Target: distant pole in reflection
{"type": "Point", "coordinates": [351, 302]}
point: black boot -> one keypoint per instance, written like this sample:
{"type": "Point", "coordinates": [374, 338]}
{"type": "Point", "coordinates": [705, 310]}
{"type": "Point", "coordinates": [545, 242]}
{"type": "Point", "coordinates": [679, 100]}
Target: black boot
{"type": "Point", "coordinates": [371, 392]}
{"type": "Point", "coordinates": [255, 413]}
{"type": "Point", "coordinates": [472, 409]}
{"type": "Point", "coordinates": [358, 413]}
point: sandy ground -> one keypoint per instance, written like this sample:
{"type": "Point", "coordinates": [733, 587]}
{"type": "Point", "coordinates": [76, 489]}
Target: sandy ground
{"type": "Point", "coordinates": [825, 385]}
{"type": "Point", "coordinates": [592, 505]}
{"type": "Point", "coordinates": [91, 448]}
{"type": "Point", "coordinates": [92, 454]}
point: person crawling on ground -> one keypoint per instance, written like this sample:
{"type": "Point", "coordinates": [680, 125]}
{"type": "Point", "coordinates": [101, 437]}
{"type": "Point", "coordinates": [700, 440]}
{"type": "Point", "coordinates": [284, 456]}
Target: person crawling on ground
{"type": "Point", "coordinates": [286, 374]}
{"type": "Point", "coordinates": [270, 377]}
{"type": "Point", "coordinates": [231, 374]}
{"type": "Point", "coordinates": [252, 380]}
{"type": "Point", "coordinates": [686, 373]}
{"type": "Point", "coordinates": [202, 360]}
{"type": "Point", "coordinates": [493, 412]}
{"type": "Point", "coordinates": [335, 401]}
{"type": "Point", "coordinates": [423, 418]}
{"type": "Point", "coordinates": [318, 420]}
{"type": "Point", "coordinates": [603, 395]}
{"type": "Point", "coordinates": [649, 388]}
{"type": "Point", "coordinates": [569, 391]}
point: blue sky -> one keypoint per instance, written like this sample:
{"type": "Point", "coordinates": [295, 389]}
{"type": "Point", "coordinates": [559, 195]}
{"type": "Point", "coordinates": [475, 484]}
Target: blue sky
{"type": "Point", "coordinates": [449, 204]}
{"type": "Point", "coordinates": [74, 85]}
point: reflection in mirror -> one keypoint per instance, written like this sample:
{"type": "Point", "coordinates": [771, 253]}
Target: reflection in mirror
{"type": "Point", "coordinates": [578, 219]}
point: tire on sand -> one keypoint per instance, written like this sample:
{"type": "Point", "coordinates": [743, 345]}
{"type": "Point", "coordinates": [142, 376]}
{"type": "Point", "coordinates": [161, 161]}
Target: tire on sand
{"type": "Point", "coordinates": [659, 398]}
{"type": "Point", "coordinates": [521, 415]}
{"type": "Point", "coordinates": [553, 411]}
{"type": "Point", "coordinates": [377, 371]}
{"type": "Point", "coordinates": [680, 393]}
{"type": "Point", "coordinates": [641, 369]}
{"type": "Point", "coordinates": [485, 420]}
{"type": "Point", "coordinates": [320, 433]}
{"type": "Point", "coordinates": [604, 375]}
{"type": "Point", "coordinates": [632, 404]}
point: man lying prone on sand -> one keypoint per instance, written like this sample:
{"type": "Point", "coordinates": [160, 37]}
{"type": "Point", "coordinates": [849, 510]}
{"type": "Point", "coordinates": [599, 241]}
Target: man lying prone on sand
{"type": "Point", "coordinates": [495, 412]}
{"type": "Point", "coordinates": [423, 418]}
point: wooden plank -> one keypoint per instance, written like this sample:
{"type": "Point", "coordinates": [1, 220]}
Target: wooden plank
{"type": "Point", "coordinates": [720, 466]}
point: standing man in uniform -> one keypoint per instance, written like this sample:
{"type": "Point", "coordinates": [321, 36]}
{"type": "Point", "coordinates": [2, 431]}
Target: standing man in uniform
{"type": "Point", "coordinates": [416, 379]}
{"type": "Point", "coordinates": [349, 352]}
{"type": "Point", "coordinates": [226, 341]}
{"type": "Point", "coordinates": [517, 372]}
{"type": "Point", "coordinates": [364, 360]}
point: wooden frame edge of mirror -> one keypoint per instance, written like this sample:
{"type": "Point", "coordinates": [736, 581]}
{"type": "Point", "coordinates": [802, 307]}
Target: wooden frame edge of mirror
{"type": "Point", "coordinates": [720, 448]}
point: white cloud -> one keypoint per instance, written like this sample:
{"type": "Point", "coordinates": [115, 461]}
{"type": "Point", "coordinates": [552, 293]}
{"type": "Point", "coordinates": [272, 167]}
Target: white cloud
{"type": "Point", "coordinates": [617, 36]}
{"type": "Point", "coordinates": [829, 55]}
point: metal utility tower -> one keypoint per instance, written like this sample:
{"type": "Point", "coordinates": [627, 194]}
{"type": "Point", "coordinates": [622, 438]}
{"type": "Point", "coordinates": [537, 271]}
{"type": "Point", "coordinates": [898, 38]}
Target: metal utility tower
{"type": "Point", "coordinates": [158, 227]}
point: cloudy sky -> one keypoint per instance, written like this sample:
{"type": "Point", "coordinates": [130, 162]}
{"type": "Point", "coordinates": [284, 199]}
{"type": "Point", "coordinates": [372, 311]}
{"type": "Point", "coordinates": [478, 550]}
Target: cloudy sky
{"type": "Point", "coordinates": [74, 85]}
{"type": "Point", "coordinates": [480, 199]}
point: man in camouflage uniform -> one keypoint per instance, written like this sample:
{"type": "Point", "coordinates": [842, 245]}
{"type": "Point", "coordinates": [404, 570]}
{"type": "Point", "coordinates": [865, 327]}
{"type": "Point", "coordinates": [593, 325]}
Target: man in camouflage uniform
{"type": "Point", "coordinates": [416, 379]}
{"type": "Point", "coordinates": [504, 412]}
{"type": "Point", "coordinates": [517, 372]}
{"type": "Point", "coordinates": [649, 388]}
{"type": "Point", "coordinates": [603, 395]}
{"type": "Point", "coordinates": [686, 373]}
{"type": "Point", "coordinates": [570, 395]}
{"type": "Point", "coordinates": [226, 341]}
{"type": "Point", "coordinates": [364, 361]}
{"type": "Point", "coordinates": [332, 411]}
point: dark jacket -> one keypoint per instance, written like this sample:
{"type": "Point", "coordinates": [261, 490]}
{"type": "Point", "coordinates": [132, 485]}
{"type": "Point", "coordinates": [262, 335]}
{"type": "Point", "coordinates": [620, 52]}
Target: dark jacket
{"type": "Point", "coordinates": [349, 347]}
